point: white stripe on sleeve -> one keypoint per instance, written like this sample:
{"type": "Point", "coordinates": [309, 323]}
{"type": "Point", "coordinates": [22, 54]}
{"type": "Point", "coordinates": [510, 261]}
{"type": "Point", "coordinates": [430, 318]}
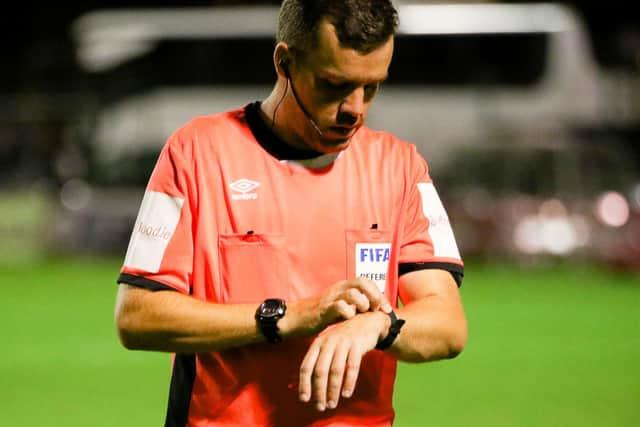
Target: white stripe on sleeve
{"type": "Point", "coordinates": [444, 242]}
{"type": "Point", "coordinates": [157, 220]}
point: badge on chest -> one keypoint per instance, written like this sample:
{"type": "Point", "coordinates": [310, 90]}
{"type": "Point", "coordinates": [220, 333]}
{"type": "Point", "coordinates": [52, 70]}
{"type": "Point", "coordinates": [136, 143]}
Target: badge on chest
{"type": "Point", "coordinates": [372, 262]}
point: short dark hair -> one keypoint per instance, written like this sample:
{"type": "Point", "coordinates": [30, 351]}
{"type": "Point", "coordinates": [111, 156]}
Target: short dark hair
{"type": "Point", "coordinates": [363, 25]}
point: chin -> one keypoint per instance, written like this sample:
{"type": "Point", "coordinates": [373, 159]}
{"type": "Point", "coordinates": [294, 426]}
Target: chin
{"type": "Point", "coordinates": [328, 146]}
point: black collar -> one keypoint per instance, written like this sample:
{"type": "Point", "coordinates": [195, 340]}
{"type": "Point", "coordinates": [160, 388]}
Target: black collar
{"type": "Point", "coordinates": [269, 141]}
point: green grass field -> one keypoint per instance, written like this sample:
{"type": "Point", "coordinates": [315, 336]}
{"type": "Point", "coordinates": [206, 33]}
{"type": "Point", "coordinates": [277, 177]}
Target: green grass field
{"type": "Point", "coordinates": [553, 346]}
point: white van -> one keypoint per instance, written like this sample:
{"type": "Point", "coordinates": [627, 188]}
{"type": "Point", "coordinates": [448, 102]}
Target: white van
{"type": "Point", "coordinates": [462, 75]}
{"type": "Point", "coordinates": [458, 71]}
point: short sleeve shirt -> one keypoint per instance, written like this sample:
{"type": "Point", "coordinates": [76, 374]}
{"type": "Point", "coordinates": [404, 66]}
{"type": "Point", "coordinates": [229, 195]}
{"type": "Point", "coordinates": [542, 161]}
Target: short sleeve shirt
{"type": "Point", "coordinates": [225, 221]}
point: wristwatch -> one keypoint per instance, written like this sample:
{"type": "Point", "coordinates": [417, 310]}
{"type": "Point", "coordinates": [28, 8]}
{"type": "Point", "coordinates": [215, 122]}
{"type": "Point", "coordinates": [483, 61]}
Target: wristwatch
{"type": "Point", "coordinates": [267, 316]}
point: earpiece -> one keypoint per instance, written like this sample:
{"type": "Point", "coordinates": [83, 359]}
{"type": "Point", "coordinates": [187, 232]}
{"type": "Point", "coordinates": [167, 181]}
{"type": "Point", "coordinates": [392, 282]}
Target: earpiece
{"type": "Point", "coordinates": [285, 68]}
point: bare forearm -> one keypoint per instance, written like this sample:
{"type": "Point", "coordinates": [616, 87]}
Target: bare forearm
{"type": "Point", "coordinates": [436, 327]}
{"type": "Point", "coordinates": [170, 321]}
{"type": "Point", "coordinates": [433, 331]}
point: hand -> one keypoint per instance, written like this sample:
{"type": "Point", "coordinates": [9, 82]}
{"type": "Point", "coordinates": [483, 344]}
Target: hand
{"type": "Point", "coordinates": [344, 299]}
{"type": "Point", "coordinates": [331, 366]}
{"type": "Point", "coordinates": [341, 301]}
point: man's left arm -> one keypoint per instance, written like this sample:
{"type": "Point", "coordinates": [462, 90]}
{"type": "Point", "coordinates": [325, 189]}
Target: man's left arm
{"type": "Point", "coordinates": [429, 258]}
{"type": "Point", "coordinates": [435, 324]}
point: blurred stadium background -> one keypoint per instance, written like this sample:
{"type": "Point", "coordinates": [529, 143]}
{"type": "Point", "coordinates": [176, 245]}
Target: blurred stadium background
{"type": "Point", "coordinates": [528, 114]}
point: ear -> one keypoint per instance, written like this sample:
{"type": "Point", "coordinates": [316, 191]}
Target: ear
{"type": "Point", "coordinates": [281, 55]}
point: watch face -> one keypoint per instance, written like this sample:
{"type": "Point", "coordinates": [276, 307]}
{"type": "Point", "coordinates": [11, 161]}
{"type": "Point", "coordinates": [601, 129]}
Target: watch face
{"type": "Point", "coordinates": [272, 308]}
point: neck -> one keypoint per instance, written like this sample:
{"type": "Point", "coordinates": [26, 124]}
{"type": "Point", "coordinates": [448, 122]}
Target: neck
{"type": "Point", "coordinates": [275, 111]}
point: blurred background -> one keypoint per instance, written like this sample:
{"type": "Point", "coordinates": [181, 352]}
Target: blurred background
{"type": "Point", "coordinates": [528, 114]}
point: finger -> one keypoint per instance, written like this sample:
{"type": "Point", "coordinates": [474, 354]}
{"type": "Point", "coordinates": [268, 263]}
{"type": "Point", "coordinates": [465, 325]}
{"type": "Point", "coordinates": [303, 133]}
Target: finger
{"type": "Point", "coordinates": [336, 374]}
{"type": "Point", "coordinates": [352, 370]}
{"type": "Point", "coordinates": [376, 298]}
{"type": "Point", "coordinates": [344, 309]}
{"type": "Point", "coordinates": [357, 298]}
{"type": "Point", "coordinates": [320, 377]}
{"type": "Point", "coordinates": [306, 371]}
{"type": "Point", "coordinates": [385, 305]}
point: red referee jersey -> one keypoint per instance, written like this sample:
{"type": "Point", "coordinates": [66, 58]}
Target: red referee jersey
{"type": "Point", "coordinates": [226, 222]}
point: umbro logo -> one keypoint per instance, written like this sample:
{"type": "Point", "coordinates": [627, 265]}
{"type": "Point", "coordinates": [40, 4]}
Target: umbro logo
{"type": "Point", "coordinates": [243, 188]}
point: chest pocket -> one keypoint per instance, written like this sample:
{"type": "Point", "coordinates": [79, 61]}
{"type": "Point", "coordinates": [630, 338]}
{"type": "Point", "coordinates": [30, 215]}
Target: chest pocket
{"type": "Point", "coordinates": [253, 267]}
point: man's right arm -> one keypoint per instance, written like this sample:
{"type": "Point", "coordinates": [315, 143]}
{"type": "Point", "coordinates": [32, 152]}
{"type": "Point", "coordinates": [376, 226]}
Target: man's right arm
{"type": "Point", "coordinates": [174, 322]}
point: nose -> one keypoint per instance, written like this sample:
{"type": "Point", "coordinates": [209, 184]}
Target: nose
{"type": "Point", "coordinates": [353, 105]}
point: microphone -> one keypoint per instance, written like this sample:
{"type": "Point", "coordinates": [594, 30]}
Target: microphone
{"type": "Point", "coordinates": [295, 96]}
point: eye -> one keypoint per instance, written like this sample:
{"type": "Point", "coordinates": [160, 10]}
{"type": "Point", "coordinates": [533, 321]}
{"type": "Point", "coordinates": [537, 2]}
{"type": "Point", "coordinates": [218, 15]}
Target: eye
{"type": "Point", "coordinates": [334, 87]}
{"type": "Point", "coordinates": [370, 90]}
{"type": "Point", "coordinates": [337, 90]}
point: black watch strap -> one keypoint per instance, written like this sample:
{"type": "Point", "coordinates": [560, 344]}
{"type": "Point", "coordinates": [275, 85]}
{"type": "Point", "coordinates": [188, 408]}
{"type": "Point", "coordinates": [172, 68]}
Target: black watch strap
{"type": "Point", "coordinates": [269, 328]}
{"type": "Point", "coordinates": [267, 316]}
{"type": "Point", "coordinates": [394, 330]}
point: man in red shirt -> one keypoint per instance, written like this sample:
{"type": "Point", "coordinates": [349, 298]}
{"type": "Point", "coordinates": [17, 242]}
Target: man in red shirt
{"type": "Point", "coordinates": [275, 241]}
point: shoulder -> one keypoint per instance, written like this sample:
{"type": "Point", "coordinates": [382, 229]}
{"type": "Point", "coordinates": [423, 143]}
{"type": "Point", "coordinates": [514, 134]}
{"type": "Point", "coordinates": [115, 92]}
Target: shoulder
{"type": "Point", "coordinates": [387, 148]}
{"type": "Point", "coordinates": [207, 132]}
{"type": "Point", "coordinates": [206, 126]}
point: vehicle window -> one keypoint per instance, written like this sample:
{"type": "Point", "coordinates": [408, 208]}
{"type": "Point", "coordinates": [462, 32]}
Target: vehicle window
{"type": "Point", "coordinates": [194, 62]}
{"type": "Point", "coordinates": [462, 60]}
{"type": "Point", "coordinates": [469, 59]}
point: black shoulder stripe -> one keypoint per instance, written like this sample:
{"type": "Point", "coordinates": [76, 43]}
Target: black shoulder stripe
{"type": "Point", "coordinates": [457, 271]}
{"type": "Point", "coordinates": [143, 282]}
